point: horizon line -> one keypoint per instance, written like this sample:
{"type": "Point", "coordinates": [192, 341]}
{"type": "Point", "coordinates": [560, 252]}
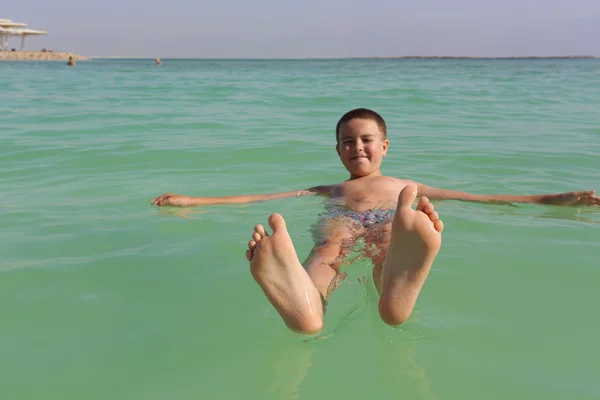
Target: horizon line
{"type": "Point", "coordinates": [352, 58]}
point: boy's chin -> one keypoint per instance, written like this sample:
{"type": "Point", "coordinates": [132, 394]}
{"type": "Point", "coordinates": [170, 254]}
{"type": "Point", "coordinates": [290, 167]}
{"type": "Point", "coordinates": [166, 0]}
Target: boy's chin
{"type": "Point", "coordinates": [360, 172]}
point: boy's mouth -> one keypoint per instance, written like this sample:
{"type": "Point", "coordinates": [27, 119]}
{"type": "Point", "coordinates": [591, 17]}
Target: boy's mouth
{"type": "Point", "coordinates": [359, 157]}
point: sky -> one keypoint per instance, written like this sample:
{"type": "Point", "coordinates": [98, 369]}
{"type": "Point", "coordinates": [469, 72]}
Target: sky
{"type": "Point", "coordinates": [311, 28]}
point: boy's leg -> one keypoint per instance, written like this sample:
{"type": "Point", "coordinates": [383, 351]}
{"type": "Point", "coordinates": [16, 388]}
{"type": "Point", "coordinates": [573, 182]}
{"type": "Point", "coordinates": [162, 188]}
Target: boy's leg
{"type": "Point", "coordinates": [380, 240]}
{"type": "Point", "coordinates": [288, 286]}
{"type": "Point", "coordinates": [408, 247]}
{"type": "Point", "coordinates": [276, 268]}
{"type": "Point", "coordinates": [333, 238]}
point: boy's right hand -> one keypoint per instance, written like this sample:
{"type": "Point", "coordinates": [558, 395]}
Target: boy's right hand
{"type": "Point", "coordinates": [171, 199]}
{"type": "Point", "coordinates": [582, 198]}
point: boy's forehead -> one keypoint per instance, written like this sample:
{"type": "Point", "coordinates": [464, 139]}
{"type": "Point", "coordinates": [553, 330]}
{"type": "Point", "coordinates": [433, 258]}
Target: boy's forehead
{"type": "Point", "coordinates": [359, 127]}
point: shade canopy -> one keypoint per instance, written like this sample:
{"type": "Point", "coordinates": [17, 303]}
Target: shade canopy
{"type": "Point", "coordinates": [19, 32]}
{"type": "Point", "coordinates": [9, 28]}
{"type": "Point", "coordinates": [7, 23]}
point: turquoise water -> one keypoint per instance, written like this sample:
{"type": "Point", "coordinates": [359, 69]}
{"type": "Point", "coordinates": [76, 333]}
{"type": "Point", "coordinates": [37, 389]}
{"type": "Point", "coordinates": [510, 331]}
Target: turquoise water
{"type": "Point", "coordinates": [103, 296]}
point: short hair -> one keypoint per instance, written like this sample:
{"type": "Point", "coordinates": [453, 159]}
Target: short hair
{"type": "Point", "coordinates": [361, 113]}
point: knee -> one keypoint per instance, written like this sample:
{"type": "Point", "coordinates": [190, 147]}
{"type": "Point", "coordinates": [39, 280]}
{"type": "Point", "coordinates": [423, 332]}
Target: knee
{"type": "Point", "coordinates": [393, 316]}
{"type": "Point", "coordinates": [328, 248]}
{"type": "Point", "coordinates": [307, 327]}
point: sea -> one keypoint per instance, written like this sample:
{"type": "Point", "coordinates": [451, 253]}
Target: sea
{"type": "Point", "coordinates": [103, 296]}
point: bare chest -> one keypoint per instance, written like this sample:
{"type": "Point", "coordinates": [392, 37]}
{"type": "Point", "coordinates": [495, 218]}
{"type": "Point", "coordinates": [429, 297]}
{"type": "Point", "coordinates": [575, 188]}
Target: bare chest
{"type": "Point", "coordinates": [364, 195]}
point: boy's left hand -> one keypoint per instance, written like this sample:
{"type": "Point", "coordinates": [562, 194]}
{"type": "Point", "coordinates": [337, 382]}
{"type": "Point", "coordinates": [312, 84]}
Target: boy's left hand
{"type": "Point", "coordinates": [171, 199]}
{"type": "Point", "coordinates": [584, 198]}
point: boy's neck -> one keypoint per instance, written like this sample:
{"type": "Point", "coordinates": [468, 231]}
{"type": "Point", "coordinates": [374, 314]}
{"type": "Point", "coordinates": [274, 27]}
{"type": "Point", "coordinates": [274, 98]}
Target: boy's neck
{"type": "Point", "coordinates": [372, 174]}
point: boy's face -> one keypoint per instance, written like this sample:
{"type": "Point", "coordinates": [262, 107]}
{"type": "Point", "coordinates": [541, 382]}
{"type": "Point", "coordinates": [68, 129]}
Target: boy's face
{"type": "Point", "coordinates": [361, 147]}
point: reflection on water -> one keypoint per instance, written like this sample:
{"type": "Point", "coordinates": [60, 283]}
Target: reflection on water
{"type": "Point", "coordinates": [286, 371]}
{"type": "Point", "coordinates": [398, 370]}
{"type": "Point", "coordinates": [283, 370]}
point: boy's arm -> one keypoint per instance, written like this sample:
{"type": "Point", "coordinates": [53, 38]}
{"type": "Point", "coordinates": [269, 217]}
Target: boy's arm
{"type": "Point", "coordinates": [560, 199]}
{"type": "Point", "coordinates": [171, 199]}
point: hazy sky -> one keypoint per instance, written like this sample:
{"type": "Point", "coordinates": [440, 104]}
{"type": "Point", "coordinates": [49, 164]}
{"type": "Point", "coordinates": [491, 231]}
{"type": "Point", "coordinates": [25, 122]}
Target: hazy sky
{"type": "Point", "coordinates": [311, 28]}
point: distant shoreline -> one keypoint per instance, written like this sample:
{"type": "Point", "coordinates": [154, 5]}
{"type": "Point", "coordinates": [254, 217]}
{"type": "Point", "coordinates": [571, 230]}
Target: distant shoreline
{"type": "Point", "coordinates": [64, 56]}
{"type": "Point", "coordinates": [39, 56]}
{"type": "Point", "coordinates": [354, 58]}
{"type": "Point", "coordinates": [479, 58]}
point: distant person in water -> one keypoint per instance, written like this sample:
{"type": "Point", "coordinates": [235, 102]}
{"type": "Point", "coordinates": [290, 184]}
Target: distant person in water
{"type": "Point", "coordinates": [158, 62]}
{"type": "Point", "coordinates": [71, 62]}
{"type": "Point", "coordinates": [401, 242]}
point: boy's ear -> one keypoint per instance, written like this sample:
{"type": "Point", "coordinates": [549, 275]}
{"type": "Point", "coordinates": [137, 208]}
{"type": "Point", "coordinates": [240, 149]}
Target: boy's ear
{"type": "Point", "coordinates": [386, 144]}
{"type": "Point", "coordinates": [337, 149]}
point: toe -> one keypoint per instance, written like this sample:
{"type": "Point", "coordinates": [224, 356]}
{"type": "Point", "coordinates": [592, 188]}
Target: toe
{"type": "Point", "coordinates": [428, 208]}
{"type": "Point", "coordinates": [438, 225]}
{"type": "Point", "coordinates": [252, 245]}
{"type": "Point", "coordinates": [407, 196]}
{"type": "Point", "coordinates": [249, 254]}
{"type": "Point", "coordinates": [260, 230]}
{"type": "Point", "coordinates": [423, 202]}
{"type": "Point", "coordinates": [433, 216]}
{"type": "Point", "coordinates": [277, 223]}
{"type": "Point", "coordinates": [256, 236]}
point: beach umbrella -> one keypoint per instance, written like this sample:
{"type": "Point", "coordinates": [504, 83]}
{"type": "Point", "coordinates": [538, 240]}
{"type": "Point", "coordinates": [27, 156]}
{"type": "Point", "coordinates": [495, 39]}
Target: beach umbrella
{"type": "Point", "coordinates": [30, 32]}
{"type": "Point", "coordinates": [7, 23]}
{"type": "Point", "coordinates": [6, 32]}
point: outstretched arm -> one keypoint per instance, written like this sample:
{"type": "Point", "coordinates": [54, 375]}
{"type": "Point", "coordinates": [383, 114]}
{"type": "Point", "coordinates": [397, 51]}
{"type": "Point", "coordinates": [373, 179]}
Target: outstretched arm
{"type": "Point", "coordinates": [560, 199]}
{"type": "Point", "coordinates": [171, 199]}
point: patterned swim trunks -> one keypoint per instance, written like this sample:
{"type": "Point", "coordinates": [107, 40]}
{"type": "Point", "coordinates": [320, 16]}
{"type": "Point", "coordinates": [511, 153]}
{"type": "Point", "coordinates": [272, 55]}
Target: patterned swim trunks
{"type": "Point", "coordinates": [367, 219]}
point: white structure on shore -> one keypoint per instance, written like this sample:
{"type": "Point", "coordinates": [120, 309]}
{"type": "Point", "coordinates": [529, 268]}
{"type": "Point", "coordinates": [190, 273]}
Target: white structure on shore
{"type": "Point", "coordinates": [9, 28]}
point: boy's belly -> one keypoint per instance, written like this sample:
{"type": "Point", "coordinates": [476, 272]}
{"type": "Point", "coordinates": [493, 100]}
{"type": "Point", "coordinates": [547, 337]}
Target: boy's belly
{"type": "Point", "coordinates": [366, 204]}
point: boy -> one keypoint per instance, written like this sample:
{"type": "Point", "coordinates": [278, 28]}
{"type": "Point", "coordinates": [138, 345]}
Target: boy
{"type": "Point", "coordinates": [376, 208]}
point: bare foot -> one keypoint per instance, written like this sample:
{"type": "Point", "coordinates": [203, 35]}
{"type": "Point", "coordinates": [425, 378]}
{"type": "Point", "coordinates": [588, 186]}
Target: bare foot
{"type": "Point", "coordinates": [416, 240]}
{"type": "Point", "coordinates": [277, 269]}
